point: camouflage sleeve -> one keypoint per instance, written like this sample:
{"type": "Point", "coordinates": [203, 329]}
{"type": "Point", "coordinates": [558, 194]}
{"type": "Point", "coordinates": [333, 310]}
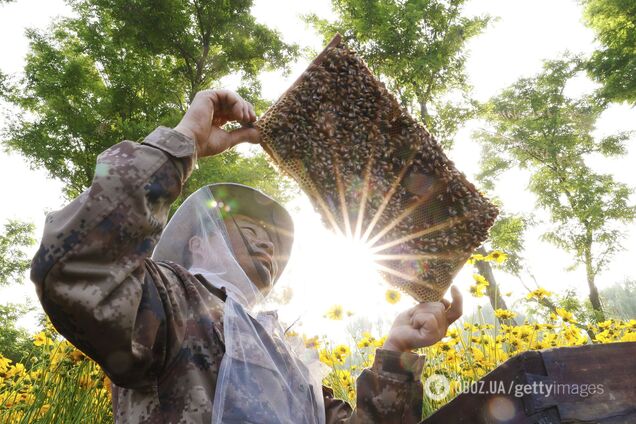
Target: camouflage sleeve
{"type": "Point", "coordinates": [390, 392]}
{"type": "Point", "coordinates": [91, 271]}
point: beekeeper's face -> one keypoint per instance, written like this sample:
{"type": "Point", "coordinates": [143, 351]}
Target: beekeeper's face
{"type": "Point", "coordinates": [253, 250]}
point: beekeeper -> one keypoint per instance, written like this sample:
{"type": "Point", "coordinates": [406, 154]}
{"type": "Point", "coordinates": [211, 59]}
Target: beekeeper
{"type": "Point", "coordinates": [168, 313]}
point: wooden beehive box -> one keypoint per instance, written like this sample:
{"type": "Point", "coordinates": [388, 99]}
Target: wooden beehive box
{"type": "Point", "coordinates": [375, 174]}
{"type": "Point", "coordinates": [610, 368]}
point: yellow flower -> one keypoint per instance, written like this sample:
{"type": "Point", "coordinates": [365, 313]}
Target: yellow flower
{"type": "Point", "coordinates": [572, 335]}
{"type": "Point", "coordinates": [311, 342]}
{"type": "Point", "coordinates": [44, 409]}
{"type": "Point", "coordinates": [392, 296]}
{"type": "Point", "coordinates": [477, 290]}
{"type": "Point", "coordinates": [565, 315]}
{"type": "Point", "coordinates": [342, 350]}
{"type": "Point", "coordinates": [4, 363]}
{"type": "Point", "coordinates": [539, 293]}
{"type": "Point", "coordinates": [337, 356]}
{"type": "Point", "coordinates": [470, 327]}
{"type": "Point", "coordinates": [379, 342]}
{"type": "Point", "coordinates": [504, 314]}
{"type": "Point", "coordinates": [604, 337]}
{"type": "Point", "coordinates": [453, 333]}
{"type": "Point", "coordinates": [629, 337]}
{"type": "Point", "coordinates": [444, 346]}
{"type": "Point", "coordinates": [480, 280]}
{"type": "Point", "coordinates": [474, 258]}
{"type": "Point", "coordinates": [364, 342]}
{"type": "Point", "coordinates": [477, 354]}
{"type": "Point", "coordinates": [338, 359]}
{"type": "Point", "coordinates": [335, 312]}
{"type": "Point", "coordinates": [497, 256]}
{"type": "Point", "coordinates": [17, 370]}
{"type": "Point", "coordinates": [41, 339]}
{"type": "Point", "coordinates": [368, 336]}
{"type": "Point", "coordinates": [345, 378]}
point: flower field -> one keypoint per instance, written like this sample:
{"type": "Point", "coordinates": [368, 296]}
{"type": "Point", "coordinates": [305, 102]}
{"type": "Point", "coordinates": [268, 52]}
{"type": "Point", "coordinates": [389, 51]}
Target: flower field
{"type": "Point", "coordinates": [60, 384]}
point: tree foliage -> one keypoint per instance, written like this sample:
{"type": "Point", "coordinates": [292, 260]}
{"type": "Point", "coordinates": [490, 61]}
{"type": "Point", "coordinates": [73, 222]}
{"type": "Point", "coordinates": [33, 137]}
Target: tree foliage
{"type": "Point", "coordinates": [13, 260]}
{"type": "Point", "coordinates": [120, 68]}
{"type": "Point", "coordinates": [614, 63]}
{"type": "Point", "coordinates": [621, 299]}
{"type": "Point", "coordinates": [537, 127]}
{"type": "Point", "coordinates": [230, 166]}
{"type": "Point", "coordinates": [15, 342]}
{"type": "Point", "coordinates": [507, 235]}
{"type": "Point", "coordinates": [417, 47]}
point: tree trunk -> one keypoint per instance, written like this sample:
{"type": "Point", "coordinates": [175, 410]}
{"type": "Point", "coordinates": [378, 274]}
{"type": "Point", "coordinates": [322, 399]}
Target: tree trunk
{"type": "Point", "coordinates": [595, 300]}
{"type": "Point", "coordinates": [424, 111]}
{"type": "Point", "coordinates": [496, 301]}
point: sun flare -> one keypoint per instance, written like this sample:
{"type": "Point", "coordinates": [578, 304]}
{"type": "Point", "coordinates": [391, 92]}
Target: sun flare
{"type": "Point", "coordinates": [353, 258]}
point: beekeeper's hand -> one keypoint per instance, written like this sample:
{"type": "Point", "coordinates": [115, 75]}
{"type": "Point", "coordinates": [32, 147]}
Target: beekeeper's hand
{"type": "Point", "coordinates": [211, 109]}
{"type": "Point", "coordinates": [424, 324]}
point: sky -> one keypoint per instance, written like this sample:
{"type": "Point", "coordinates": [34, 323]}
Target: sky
{"type": "Point", "coordinates": [323, 270]}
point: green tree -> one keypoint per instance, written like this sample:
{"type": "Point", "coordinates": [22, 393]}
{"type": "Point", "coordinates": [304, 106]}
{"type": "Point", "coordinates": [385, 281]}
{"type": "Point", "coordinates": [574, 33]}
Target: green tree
{"type": "Point", "coordinates": [15, 342]}
{"type": "Point", "coordinates": [614, 63]}
{"type": "Point", "coordinates": [230, 166]}
{"type": "Point", "coordinates": [620, 299]}
{"type": "Point", "coordinates": [119, 68]}
{"type": "Point", "coordinates": [417, 47]}
{"type": "Point", "coordinates": [537, 127]}
{"type": "Point", "coordinates": [13, 260]}
{"type": "Point", "coordinates": [506, 235]}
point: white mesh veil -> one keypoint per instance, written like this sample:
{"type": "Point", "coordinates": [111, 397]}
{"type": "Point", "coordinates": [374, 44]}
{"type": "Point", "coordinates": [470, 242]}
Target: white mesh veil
{"type": "Point", "coordinates": [261, 378]}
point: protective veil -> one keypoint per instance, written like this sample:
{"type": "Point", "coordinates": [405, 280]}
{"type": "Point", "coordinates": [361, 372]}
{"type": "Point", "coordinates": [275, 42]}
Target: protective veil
{"type": "Point", "coordinates": [262, 379]}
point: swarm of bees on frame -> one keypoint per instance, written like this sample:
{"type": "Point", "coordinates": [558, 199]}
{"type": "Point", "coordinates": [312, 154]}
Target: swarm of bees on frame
{"type": "Point", "coordinates": [375, 174]}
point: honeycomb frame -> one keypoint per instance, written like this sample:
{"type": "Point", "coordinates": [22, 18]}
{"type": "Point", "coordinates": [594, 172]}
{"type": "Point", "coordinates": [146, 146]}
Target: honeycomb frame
{"type": "Point", "coordinates": [374, 173]}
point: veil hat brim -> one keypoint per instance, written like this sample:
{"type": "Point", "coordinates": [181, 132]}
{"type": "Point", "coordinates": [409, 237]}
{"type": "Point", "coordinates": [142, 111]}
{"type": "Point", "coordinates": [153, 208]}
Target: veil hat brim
{"type": "Point", "coordinates": [239, 199]}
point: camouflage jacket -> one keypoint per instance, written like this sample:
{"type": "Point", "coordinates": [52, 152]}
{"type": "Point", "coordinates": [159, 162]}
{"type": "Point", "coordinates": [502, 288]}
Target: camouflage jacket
{"type": "Point", "coordinates": [157, 330]}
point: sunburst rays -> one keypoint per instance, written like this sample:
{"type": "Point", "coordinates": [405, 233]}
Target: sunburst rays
{"type": "Point", "coordinates": [369, 240]}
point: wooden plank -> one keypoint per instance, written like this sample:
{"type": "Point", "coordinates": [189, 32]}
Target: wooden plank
{"type": "Point", "coordinates": [588, 384]}
{"type": "Point", "coordinates": [591, 383]}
